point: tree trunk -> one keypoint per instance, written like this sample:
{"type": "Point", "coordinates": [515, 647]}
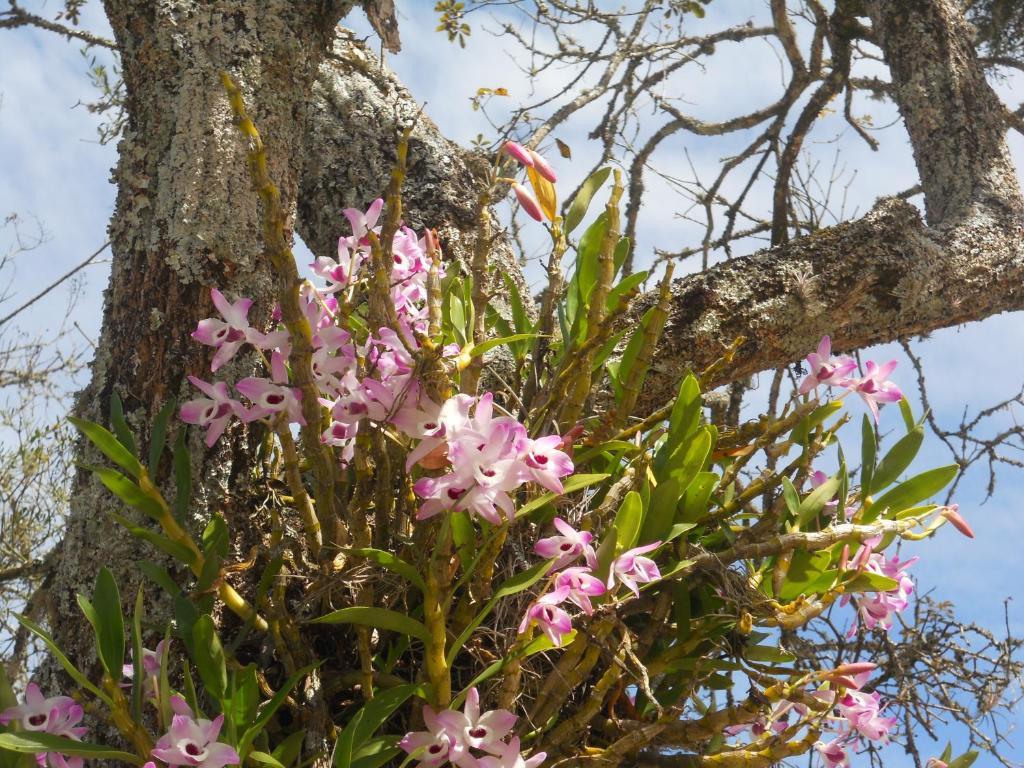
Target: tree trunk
{"type": "Point", "coordinates": [187, 219]}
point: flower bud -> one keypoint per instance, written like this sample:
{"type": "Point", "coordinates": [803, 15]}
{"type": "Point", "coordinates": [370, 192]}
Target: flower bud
{"type": "Point", "coordinates": [528, 201]}
{"type": "Point", "coordinates": [952, 514]}
{"type": "Point", "coordinates": [519, 153]}
{"type": "Point", "coordinates": [542, 167]}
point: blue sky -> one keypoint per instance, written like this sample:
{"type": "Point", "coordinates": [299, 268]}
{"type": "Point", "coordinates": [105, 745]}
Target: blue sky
{"type": "Point", "coordinates": [54, 169]}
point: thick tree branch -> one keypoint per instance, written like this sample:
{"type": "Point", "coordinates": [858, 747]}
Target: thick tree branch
{"type": "Point", "coordinates": [888, 275]}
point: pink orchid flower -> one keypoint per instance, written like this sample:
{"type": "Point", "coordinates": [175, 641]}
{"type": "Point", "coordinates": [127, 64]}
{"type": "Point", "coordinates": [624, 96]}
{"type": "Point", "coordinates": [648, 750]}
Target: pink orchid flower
{"type": "Point", "coordinates": [193, 742]}
{"type": "Point", "coordinates": [478, 731]}
{"type": "Point", "coordinates": [952, 514]}
{"type": "Point", "coordinates": [436, 745]}
{"type": "Point", "coordinates": [874, 387]}
{"type": "Point", "coordinates": [363, 223]}
{"type": "Point", "coordinates": [862, 710]}
{"type": "Point", "coordinates": [268, 398]}
{"type": "Point", "coordinates": [834, 753]}
{"type": "Point", "coordinates": [825, 369]}
{"type": "Point", "coordinates": [631, 569]}
{"type": "Point", "coordinates": [567, 547]}
{"type": "Point", "coordinates": [227, 335]}
{"type": "Point", "coordinates": [546, 614]}
{"type": "Point", "coordinates": [212, 412]}
{"type": "Point", "coordinates": [582, 585]}
{"type": "Point", "coordinates": [510, 757]}
{"type": "Point", "coordinates": [546, 464]}
{"type": "Point", "coordinates": [56, 715]}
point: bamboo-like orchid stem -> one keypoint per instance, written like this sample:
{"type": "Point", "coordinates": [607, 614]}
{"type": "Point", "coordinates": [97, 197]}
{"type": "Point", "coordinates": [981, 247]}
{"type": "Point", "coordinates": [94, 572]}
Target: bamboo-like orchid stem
{"type": "Point", "coordinates": [301, 500]}
{"type": "Point", "coordinates": [282, 260]}
{"type": "Point", "coordinates": [435, 614]}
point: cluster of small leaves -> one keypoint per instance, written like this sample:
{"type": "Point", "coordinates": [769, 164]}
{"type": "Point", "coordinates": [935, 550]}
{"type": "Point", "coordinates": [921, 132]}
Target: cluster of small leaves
{"type": "Point", "coordinates": [452, 14]}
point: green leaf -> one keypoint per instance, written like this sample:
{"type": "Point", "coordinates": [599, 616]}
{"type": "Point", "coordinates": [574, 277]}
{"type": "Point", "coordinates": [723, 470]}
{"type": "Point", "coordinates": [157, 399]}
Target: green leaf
{"type": "Point", "coordinates": [33, 742]}
{"type": "Point", "coordinates": [392, 563]}
{"type": "Point", "coordinates": [871, 582]}
{"type": "Point", "coordinates": [208, 654]}
{"type": "Point", "coordinates": [369, 718]}
{"type": "Point", "coordinates": [683, 466]}
{"type": "Point", "coordinates": [103, 439]}
{"type": "Point", "coordinates": [897, 459]}
{"type": "Point", "coordinates": [290, 748]}
{"type": "Point", "coordinates": [623, 287]}
{"type": "Point", "coordinates": [268, 709]}
{"type": "Point", "coordinates": [868, 451]}
{"type": "Point", "coordinates": [62, 659]}
{"type": "Point", "coordinates": [216, 540]}
{"type": "Point", "coordinates": [520, 318]}
{"type": "Point", "coordinates": [265, 759]}
{"type": "Point", "coordinates": [168, 546]}
{"type": "Point", "coordinates": [138, 670]}
{"type": "Point", "coordinates": [767, 653]}
{"type": "Point", "coordinates": [120, 424]}
{"type": "Point", "coordinates": [911, 492]}
{"type": "Point", "coordinates": [377, 752]}
{"type": "Point", "coordinates": [240, 709]}
{"type": "Point", "coordinates": [815, 501]}
{"type": "Point", "coordinates": [381, 618]}
{"type": "Point", "coordinates": [571, 485]}
{"type": "Point", "coordinates": [908, 415]}
{"type": "Point", "coordinates": [487, 346]}
{"type": "Point", "coordinates": [791, 497]}
{"type": "Point", "coordinates": [538, 644]}
{"type": "Point", "coordinates": [966, 760]}
{"type": "Point", "coordinates": [126, 490]}
{"type": "Point", "coordinates": [696, 498]}
{"type": "Point", "coordinates": [109, 624]}
{"type": "Point", "coordinates": [521, 581]}
{"type": "Point", "coordinates": [628, 520]}
{"type": "Point", "coordinates": [158, 435]}
{"type": "Point", "coordinates": [580, 203]}
{"type": "Point", "coordinates": [464, 537]}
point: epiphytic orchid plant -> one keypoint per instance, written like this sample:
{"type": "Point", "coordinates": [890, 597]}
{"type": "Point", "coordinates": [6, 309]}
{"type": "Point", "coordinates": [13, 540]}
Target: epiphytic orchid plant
{"type": "Point", "coordinates": [488, 565]}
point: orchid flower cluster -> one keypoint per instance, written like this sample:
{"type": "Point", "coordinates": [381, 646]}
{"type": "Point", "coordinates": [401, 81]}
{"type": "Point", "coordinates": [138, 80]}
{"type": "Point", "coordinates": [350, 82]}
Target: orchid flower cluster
{"type": "Point", "coordinates": [490, 455]}
{"type": "Point", "coordinates": [579, 584]}
{"type": "Point", "coordinates": [873, 387]}
{"type": "Point", "coordinates": [459, 738]}
{"type": "Point", "coordinates": [192, 741]}
{"type": "Point", "coordinates": [877, 609]}
{"type": "Point", "coordinates": [854, 717]}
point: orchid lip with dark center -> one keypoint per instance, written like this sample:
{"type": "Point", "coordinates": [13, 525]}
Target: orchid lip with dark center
{"type": "Point", "coordinates": [275, 399]}
{"type": "Point", "coordinates": [479, 732]}
{"type": "Point", "coordinates": [37, 720]}
{"type": "Point", "coordinates": [567, 547]}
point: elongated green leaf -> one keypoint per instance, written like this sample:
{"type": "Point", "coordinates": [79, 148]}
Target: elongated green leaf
{"type": "Point", "coordinates": [580, 203]}
{"type": "Point", "coordinates": [696, 498]}
{"type": "Point", "coordinates": [208, 654]}
{"type": "Point", "coordinates": [392, 563]}
{"type": "Point", "coordinates": [683, 467]}
{"type": "Point", "coordinates": [521, 581]}
{"type": "Point", "coordinates": [490, 344]}
{"type": "Point", "coordinates": [381, 618]}
{"type": "Point", "coordinates": [109, 623]}
{"type": "Point", "coordinates": [628, 520]}
{"type": "Point", "coordinates": [377, 752]}
{"type": "Point", "coordinates": [33, 742]}
{"type": "Point", "coordinates": [868, 451]}
{"type": "Point", "coordinates": [464, 537]}
{"type": "Point", "coordinates": [871, 582]}
{"type": "Point", "coordinates": [64, 661]}
{"type": "Point", "coordinates": [138, 670]}
{"type": "Point", "coordinates": [908, 414]}
{"type": "Point", "coordinates": [571, 485]}
{"type": "Point", "coordinates": [791, 497]}
{"type": "Point", "coordinates": [539, 644]}
{"type": "Point", "coordinates": [269, 708]}
{"type": "Point", "coordinates": [290, 748]}
{"type": "Point", "coordinates": [623, 287]}
{"type": "Point", "coordinates": [520, 318]}
{"type": "Point", "coordinates": [158, 435]}
{"type": "Point", "coordinates": [103, 439]}
{"type": "Point", "coordinates": [897, 459]}
{"type": "Point", "coordinates": [911, 492]}
{"type": "Point", "coordinates": [120, 425]}
{"type": "Point", "coordinates": [368, 719]}
{"type": "Point", "coordinates": [816, 500]}
{"type": "Point", "coordinates": [265, 759]}
{"type": "Point", "coordinates": [966, 760]}
{"type": "Point", "coordinates": [173, 548]}
{"type": "Point", "coordinates": [126, 490]}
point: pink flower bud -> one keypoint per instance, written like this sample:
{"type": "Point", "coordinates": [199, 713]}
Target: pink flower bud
{"type": "Point", "coordinates": [542, 167]}
{"type": "Point", "coordinates": [528, 201]}
{"type": "Point", "coordinates": [519, 153]}
{"type": "Point", "coordinates": [952, 513]}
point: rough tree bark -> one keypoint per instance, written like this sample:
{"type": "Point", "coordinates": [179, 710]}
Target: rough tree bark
{"type": "Point", "coordinates": [889, 274]}
{"type": "Point", "coordinates": [187, 218]}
